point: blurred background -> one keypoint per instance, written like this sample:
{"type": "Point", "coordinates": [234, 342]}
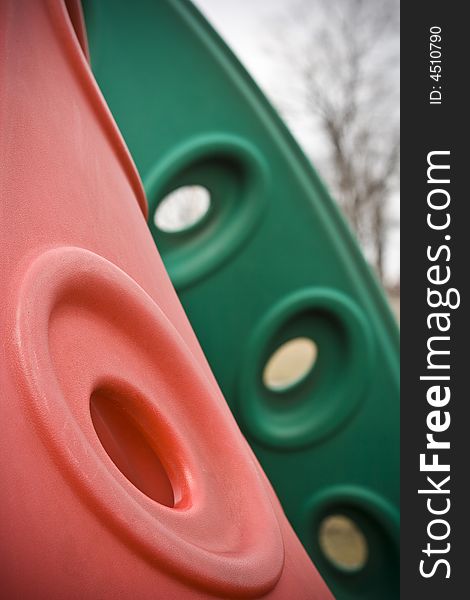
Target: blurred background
{"type": "Point", "coordinates": [331, 69]}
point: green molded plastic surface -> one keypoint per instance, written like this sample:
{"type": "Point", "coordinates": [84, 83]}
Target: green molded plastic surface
{"type": "Point", "coordinates": [272, 260]}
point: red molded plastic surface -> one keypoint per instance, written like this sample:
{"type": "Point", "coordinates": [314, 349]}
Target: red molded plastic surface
{"type": "Point", "coordinates": [123, 471]}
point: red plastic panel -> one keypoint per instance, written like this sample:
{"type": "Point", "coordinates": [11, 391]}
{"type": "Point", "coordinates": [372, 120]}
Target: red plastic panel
{"type": "Point", "coordinates": [123, 471]}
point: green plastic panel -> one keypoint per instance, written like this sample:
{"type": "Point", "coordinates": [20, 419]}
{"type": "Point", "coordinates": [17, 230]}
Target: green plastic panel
{"type": "Point", "coordinates": [271, 261]}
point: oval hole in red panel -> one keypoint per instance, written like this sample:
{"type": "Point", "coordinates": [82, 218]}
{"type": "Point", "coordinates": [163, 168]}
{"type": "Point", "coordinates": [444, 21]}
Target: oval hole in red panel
{"type": "Point", "coordinates": [128, 448]}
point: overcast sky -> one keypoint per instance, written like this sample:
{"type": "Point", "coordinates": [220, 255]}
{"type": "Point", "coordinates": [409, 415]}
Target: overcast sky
{"type": "Point", "coordinates": [246, 26]}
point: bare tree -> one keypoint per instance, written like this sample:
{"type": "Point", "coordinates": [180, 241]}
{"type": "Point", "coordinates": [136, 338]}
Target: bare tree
{"type": "Point", "coordinates": [340, 59]}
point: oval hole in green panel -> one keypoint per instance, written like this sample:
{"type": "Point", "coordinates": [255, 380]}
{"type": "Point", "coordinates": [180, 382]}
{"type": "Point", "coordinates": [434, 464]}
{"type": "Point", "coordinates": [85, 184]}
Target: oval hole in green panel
{"type": "Point", "coordinates": [343, 543]}
{"type": "Point", "coordinates": [324, 391]}
{"type": "Point", "coordinates": [182, 208]}
{"type": "Point", "coordinates": [235, 176]}
{"type": "Point", "coordinates": [290, 364]}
